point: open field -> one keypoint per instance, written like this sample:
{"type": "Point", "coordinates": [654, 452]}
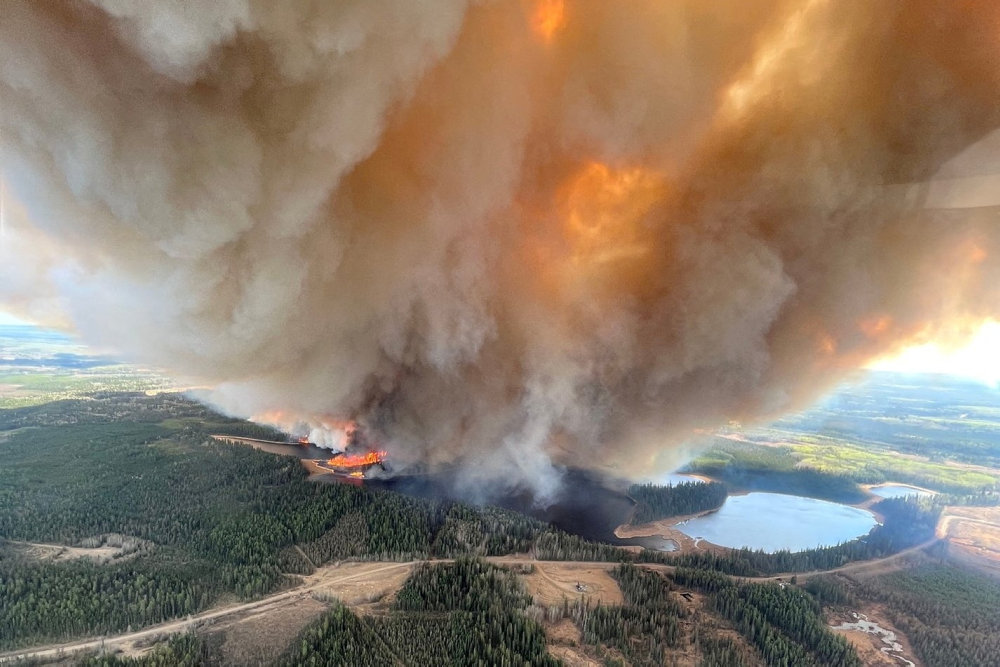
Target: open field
{"type": "Point", "coordinates": [59, 553]}
{"type": "Point", "coordinates": [564, 642]}
{"type": "Point", "coordinates": [973, 534]}
{"type": "Point", "coordinates": [929, 430]}
{"type": "Point", "coordinates": [551, 582]}
{"type": "Point", "coordinates": [28, 388]}
{"type": "Point", "coordinates": [865, 463]}
{"type": "Point", "coordinates": [261, 636]}
{"type": "Point", "coordinates": [359, 585]}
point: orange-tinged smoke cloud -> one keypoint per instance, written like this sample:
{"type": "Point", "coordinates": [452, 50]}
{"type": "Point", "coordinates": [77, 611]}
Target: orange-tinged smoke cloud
{"type": "Point", "coordinates": [549, 18]}
{"type": "Point", "coordinates": [874, 327]}
{"type": "Point", "coordinates": [511, 234]}
{"type": "Point", "coordinates": [602, 212]}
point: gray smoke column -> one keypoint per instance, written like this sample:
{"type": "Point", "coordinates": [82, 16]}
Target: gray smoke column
{"type": "Point", "coordinates": [511, 234]}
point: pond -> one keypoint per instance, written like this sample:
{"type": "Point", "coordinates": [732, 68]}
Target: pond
{"type": "Point", "coordinates": [775, 521]}
{"type": "Point", "coordinates": [898, 491]}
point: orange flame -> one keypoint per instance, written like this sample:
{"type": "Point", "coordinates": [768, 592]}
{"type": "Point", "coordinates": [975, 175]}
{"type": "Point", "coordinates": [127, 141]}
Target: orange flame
{"type": "Point", "coordinates": [549, 18]}
{"type": "Point", "coordinates": [358, 460]}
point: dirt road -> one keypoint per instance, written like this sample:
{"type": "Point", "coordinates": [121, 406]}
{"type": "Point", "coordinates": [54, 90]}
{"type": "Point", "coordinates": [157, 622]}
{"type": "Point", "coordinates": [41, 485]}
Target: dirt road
{"type": "Point", "coordinates": [182, 625]}
{"type": "Point", "coordinates": [327, 576]}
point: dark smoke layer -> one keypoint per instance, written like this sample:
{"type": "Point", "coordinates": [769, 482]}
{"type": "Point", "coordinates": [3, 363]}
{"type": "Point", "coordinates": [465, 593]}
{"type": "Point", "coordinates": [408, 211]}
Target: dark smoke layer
{"type": "Point", "coordinates": [514, 234]}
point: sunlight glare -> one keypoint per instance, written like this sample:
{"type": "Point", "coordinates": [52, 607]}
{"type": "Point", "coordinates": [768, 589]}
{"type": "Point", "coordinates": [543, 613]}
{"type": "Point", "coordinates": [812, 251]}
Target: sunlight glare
{"type": "Point", "coordinates": [978, 359]}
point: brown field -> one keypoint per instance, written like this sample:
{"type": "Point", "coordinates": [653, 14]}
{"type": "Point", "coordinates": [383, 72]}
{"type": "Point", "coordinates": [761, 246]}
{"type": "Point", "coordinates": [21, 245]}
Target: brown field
{"type": "Point", "coordinates": [869, 646]}
{"type": "Point", "coordinates": [360, 586]}
{"type": "Point", "coordinates": [564, 642]}
{"type": "Point", "coordinates": [261, 637]}
{"type": "Point", "coordinates": [61, 553]}
{"type": "Point", "coordinates": [551, 582]}
{"type": "Point", "coordinates": [973, 534]}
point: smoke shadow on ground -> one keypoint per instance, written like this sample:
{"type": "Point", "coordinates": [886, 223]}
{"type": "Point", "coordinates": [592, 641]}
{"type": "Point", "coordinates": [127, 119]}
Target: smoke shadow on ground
{"type": "Point", "coordinates": [587, 504]}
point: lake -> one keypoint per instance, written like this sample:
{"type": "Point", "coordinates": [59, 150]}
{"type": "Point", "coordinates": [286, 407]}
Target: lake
{"type": "Point", "coordinates": [898, 491]}
{"type": "Point", "coordinates": [775, 521]}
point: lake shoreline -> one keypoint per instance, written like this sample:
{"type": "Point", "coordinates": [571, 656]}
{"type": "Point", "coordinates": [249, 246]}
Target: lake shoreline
{"type": "Point", "coordinates": [668, 529]}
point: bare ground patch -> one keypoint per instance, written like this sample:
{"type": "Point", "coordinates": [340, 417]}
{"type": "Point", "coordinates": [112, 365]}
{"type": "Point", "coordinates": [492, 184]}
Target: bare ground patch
{"type": "Point", "coordinates": [551, 582]}
{"type": "Point", "coordinates": [360, 585]}
{"type": "Point", "coordinates": [869, 646]}
{"type": "Point", "coordinates": [101, 549]}
{"type": "Point", "coordinates": [973, 534]}
{"type": "Point", "coordinates": [666, 528]}
{"type": "Point", "coordinates": [564, 643]}
{"type": "Point", "coordinates": [261, 638]}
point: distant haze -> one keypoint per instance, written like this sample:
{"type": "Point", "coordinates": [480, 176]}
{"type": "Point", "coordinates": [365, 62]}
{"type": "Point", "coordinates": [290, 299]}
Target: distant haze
{"type": "Point", "coordinates": [977, 358]}
{"type": "Point", "coordinates": [513, 234]}
{"type": "Point", "coordinates": [7, 319]}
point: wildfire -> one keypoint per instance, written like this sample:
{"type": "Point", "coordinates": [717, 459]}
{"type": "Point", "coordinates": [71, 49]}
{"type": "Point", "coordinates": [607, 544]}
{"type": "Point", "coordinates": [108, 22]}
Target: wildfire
{"type": "Point", "coordinates": [603, 208]}
{"type": "Point", "coordinates": [549, 18]}
{"type": "Point", "coordinates": [592, 236]}
{"type": "Point", "coordinates": [358, 460]}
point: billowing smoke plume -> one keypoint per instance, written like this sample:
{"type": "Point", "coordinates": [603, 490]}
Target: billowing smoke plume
{"type": "Point", "coordinates": [516, 234]}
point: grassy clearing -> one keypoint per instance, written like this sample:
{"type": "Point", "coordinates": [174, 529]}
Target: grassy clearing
{"type": "Point", "coordinates": [30, 388]}
{"type": "Point", "coordinates": [861, 463]}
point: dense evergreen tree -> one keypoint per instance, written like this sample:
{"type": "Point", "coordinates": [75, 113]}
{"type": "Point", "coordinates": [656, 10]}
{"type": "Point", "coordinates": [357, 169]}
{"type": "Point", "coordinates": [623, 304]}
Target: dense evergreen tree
{"type": "Point", "coordinates": [645, 627]}
{"type": "Point", "coordinates": [234, 519]}
{"type": "Point", "coordinates": [782, 621]}
{"type": "Point", "coordinates": [558, 545]}
{"type": "Point", "coordinates": [751, 467]}
{"type": "Point", "coordinates": [218, 519]}
{"type": "Point", "coordinates": [181, 651]}
{"type": "Point", "coordinates": [655, 502]}
{"type": "Point", "coordinates": [485, 605]}
{"type": "Point", "coordinates": [339, 639]}
{"type": "Point", "coordinates": [949, 614]}
{"type": "Point", "coordinates": [45, 601]}
{"type": "Point", "coordinates": [722, 651]}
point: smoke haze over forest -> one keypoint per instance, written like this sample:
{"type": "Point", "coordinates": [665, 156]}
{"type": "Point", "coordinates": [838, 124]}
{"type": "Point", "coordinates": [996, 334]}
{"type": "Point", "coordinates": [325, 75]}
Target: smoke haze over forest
{"type": "Point", "coordinates": [519, 234]}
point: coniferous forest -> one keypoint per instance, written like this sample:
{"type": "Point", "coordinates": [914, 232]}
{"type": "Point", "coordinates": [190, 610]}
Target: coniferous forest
{"type": "Point", "coordinates": [213, 518]}
{"type": "Point", "coordinates": [660, 502]}
{"type": "Point", "coordinates": [951, 615]}
{"type": "Point", "coordinates": [195, 522]}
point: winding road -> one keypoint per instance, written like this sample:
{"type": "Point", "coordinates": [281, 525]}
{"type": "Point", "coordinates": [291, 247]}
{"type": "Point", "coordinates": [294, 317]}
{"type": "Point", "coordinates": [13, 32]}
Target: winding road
{"type": "Point", "coordinates": [328, 575]}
